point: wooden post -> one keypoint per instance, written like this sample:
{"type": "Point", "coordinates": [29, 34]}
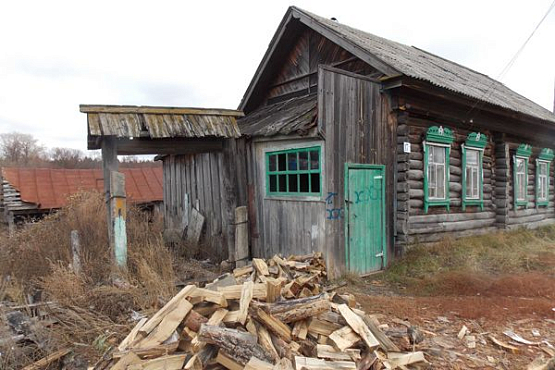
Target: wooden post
{"type": "Point", "coordinates": [109, 164]}
{"type": "Point", "coordinates": [76, 251]}
{"type": "Point", "coordinates": [241, 237]}
{"type": "Point", "coordinates": [118, 239]}
{"type": "Point", "coordinates": [11, 224]}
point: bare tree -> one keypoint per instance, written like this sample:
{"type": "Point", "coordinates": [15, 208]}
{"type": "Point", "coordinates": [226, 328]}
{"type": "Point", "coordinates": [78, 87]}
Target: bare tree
{"type": "Point", "coordinates": [20, 149]}
{"type": "Point", "coordinates": [66, 157]}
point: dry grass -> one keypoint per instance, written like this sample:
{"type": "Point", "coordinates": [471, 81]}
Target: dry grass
{"type": "Point", "coordinates": [92, 308]}
{"type": "Point", "coordinates": [517, 263]}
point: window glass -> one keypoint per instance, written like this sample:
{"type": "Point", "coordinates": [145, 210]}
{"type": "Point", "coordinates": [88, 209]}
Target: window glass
{"type": "Point", "coordinates": [472, 174]}
{"type": "Point", "coordinates": [436, 172]}
{"type": "Point", "coordinates": [542, 181]}
{"type": "Point", "coordinates": [521, 181]}
{"type": "Point", "coordinates": [294, 172]}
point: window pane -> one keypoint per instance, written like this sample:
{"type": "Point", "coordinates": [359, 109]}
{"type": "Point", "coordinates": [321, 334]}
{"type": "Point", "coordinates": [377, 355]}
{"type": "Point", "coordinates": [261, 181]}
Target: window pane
{"type": "Point", "coordinates": [441, 181]}
{"type": "Point", "coordinates": [314, 160]}
{"type": "Point", "coordinates": [543, 168]}
{"type": "Point", "coordinates": [432, 181]}
{"type": "Point", "coordinates": [282, 161]}
{"type": "Point", "coordinates": [439, 154]}
{"type": "Point", "coordinates": [303, 160]}
{"type": "Point", "coordinates": [293, 183]}
{"type": "Point", "coordinates": [304, 183]}
{"type": "Point", "coordinates": [283, 183]}
{"type": "Point", "coordinates": [471, 157]}
{"type": "Point", "coordinates": [468, 182]}
{"type": "Point", "coordinates": [520, 165]}
{"type": "Point", "coordinates": [314, 182]}
{"type": "Point", "coordinates": [292, 161]}
{"type": "Point", "coordinates": [273, 183]}
{"type": "Point", "coordinates": [272, 162]}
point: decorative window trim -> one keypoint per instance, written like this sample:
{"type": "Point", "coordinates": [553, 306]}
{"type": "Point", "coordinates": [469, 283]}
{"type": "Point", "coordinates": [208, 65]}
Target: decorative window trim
{"type": "Point", "coordinates": [524, 151]}
{"type": "Point", "coordinates": [296, 194]}
{"type": "Point", "coordinates": [474, 141]}
{"type": "Point", "coordinates": [440, 137]}
{"type": "Point", "coordinates": [545, 157]}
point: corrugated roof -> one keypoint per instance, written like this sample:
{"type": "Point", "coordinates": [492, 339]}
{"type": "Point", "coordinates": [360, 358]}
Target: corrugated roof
{"type": "Point", "coordinates": [159, 122]}
{"type": "Point", "coordinates": [293, 115]}
{"type": "Point", "coordinates": [49, 188]}
{"type": "Point", "coordinates": [419, 64]}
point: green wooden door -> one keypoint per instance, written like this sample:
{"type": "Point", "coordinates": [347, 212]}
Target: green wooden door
{"type": "Point", "coordinates": [365, 219]}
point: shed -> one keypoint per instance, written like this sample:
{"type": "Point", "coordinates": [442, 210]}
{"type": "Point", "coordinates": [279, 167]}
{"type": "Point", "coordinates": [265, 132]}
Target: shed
{"type": "Point", "coordinates": [197, 147]}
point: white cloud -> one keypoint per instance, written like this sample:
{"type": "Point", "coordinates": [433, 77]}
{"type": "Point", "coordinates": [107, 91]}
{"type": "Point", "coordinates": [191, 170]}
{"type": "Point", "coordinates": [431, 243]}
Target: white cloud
{"type": "Point", "coordinates": [56, 55]}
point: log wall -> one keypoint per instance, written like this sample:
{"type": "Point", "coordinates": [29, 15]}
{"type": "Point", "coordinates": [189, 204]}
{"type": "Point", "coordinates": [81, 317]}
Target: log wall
{"type": "Point", "coordinates": [530, 216]}
{"type": "Point", "coordinates": [414, 225]}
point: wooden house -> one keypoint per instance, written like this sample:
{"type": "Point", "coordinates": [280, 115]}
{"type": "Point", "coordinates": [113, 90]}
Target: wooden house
{"type": "Point", "coordinates": [359, 146]}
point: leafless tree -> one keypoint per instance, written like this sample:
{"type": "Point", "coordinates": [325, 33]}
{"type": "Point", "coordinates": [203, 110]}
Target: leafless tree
{"type": "Point", "coordinates": [20, 149]}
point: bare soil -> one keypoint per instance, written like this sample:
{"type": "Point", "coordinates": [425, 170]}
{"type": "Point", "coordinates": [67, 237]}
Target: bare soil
{"type": "Point", "coordinates": [522, 303]}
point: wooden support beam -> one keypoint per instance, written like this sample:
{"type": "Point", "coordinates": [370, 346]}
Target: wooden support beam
{"type": "Point", "coordinates": [118, 218]}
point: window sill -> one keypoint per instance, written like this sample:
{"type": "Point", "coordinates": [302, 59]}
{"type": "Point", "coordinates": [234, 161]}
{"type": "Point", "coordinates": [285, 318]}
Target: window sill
{"type": "Point", "coordinates": [472, 202]}
{"type": "Point", "coordinates": [436, 203]}
{"type": "Point", "coordinates": [290, 198]}
{"type": "Point", "coordinates": [543, 203]}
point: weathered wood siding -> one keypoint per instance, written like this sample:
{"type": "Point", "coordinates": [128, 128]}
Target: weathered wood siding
{"type": "Point", "coordinates": [417, 226]}
{"type": "Point", "coordinates": [286, 225]}
{"type": "Point", "coordinates": [216, 182]}
{"type": "Point", "coordinates": [299, 72]}
{"type": "Point", "coordinates": [354, 117]}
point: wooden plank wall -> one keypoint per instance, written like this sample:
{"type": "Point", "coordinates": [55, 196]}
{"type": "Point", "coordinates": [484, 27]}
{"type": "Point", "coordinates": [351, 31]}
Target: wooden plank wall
{"type": "Point", "coordinates": [281, 225]}
{"type": "Point", "coordinates": [299, 72]}
{"type": "Point", "coordinates": [217, 181]}
{"type": "Point", "coordinates": [438, 222]}
{"type": "Point", "coordinates": [354, 117]}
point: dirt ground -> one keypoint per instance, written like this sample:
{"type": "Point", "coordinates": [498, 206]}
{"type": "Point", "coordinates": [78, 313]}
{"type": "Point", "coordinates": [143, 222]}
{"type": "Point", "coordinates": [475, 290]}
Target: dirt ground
{"type": "Point", "coordinates": [523, 304]}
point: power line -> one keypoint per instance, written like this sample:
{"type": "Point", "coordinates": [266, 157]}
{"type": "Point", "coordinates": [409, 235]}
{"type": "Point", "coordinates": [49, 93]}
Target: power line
{"type": "Point", "coordinates": [491, 88]}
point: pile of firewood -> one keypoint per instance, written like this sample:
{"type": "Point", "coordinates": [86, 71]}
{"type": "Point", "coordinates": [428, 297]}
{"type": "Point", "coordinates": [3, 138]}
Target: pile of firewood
{"type": "Point", "coordinates": [275, 314]}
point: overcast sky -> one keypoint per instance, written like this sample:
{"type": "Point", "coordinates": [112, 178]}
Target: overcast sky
{"type": "Point", "coordinates": [55, 55]}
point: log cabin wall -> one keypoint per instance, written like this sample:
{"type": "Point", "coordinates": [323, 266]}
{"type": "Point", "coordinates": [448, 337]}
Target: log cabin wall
{"type": "Point", "coordinates": [531, 215]}
{"type": "Point", "coordinates": [216, 181]}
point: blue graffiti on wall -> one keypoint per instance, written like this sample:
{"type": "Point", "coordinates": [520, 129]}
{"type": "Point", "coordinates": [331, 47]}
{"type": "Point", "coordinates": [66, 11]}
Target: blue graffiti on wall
{"type": "Point", "coordinates": [333, 213]}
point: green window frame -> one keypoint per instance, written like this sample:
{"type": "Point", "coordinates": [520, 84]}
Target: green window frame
{"type": "Point", "coordinates": [473, 171]}
{"type": "Point", "coordinates": [294, 172]}
{"type": "Point", "coordinates": [543, 178]}
{"type": "Point", "coordinates": [520, 175]}
{"type": "Point", "coordinates": [437, 149]}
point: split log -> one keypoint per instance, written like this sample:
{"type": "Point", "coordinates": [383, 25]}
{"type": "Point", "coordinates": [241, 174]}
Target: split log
{"type": "Point", "coordinates": [194, 320]}
{"type": "Point", "coordinates": [344, 338]}
{"type": "Point", "coordinates": [272, 324]}
{"type": "Point", "coordinates": [246, 297]}
{"type": "Point", "coordinates": [44, 362]}
{"type": "Point", "coordinates": [260, 266]}
{"type": "Point", "coordinates": [298, 309]}
{"type": "Point", "coordinates": [240, 346]}
{"type": "Point", "coordinates": [256, 364]}
{"type": "Point", "coordinates": [358, 325]}
{"type": "Point", "coordinates": [328, 352]}
{"type": "Point", "coordinates": [308, 363]}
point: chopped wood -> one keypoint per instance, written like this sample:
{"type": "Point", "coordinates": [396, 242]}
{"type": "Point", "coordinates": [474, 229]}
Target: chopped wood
{"type": "Point", "coordinates": [265, 340]}
{"type": "Point", "coordinates": [246, 297]}
{"type": "Point", "coordinates": [240, 346]}
{"type": "Point", "coordinates": [228, 362]}
{"type": "Point", "coordinates": [329, 352]}
{"type": "Point", "coordinates": [256, 364]}
{"type": "Point", "coordinates": [344, 338]}
{"type": "Point", "coordinates": [358, 325]}
{"type": "Point", "coordinates": [309, 363]}
{"type": "Point", "coordinates": [397, 360]}
{"type": "Point", "coordinates": [269, 315]}
{"type": "Point", "coordinates": [234, 291]}
{"type": "Point", "coordinates": [173, 362]}
{"type": "Point", "coordinates": [503, 345]}
{"type": "Point", "coordinates": [260, 266]}
{"type": "Point", "coordinates": [272, 324]}
{"type": "Point", "coordinates": [45, 361]}
{"type": "Point", "coordinates": [167, 326]}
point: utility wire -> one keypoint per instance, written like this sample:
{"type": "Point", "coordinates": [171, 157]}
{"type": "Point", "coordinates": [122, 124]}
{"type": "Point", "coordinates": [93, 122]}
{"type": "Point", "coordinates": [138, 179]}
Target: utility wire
{"type": "Point", "coordinates": [491, 88]}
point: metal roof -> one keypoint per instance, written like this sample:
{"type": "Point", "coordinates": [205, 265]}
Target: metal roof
{"type": "Point", "coordinates": [49, 188]}
{"type": "Point", "coordinates": [296, 115]}
{"type": "Point", "coordinates": [159, 122]}
{"type": "Point", "coordinates": [414, 62]}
